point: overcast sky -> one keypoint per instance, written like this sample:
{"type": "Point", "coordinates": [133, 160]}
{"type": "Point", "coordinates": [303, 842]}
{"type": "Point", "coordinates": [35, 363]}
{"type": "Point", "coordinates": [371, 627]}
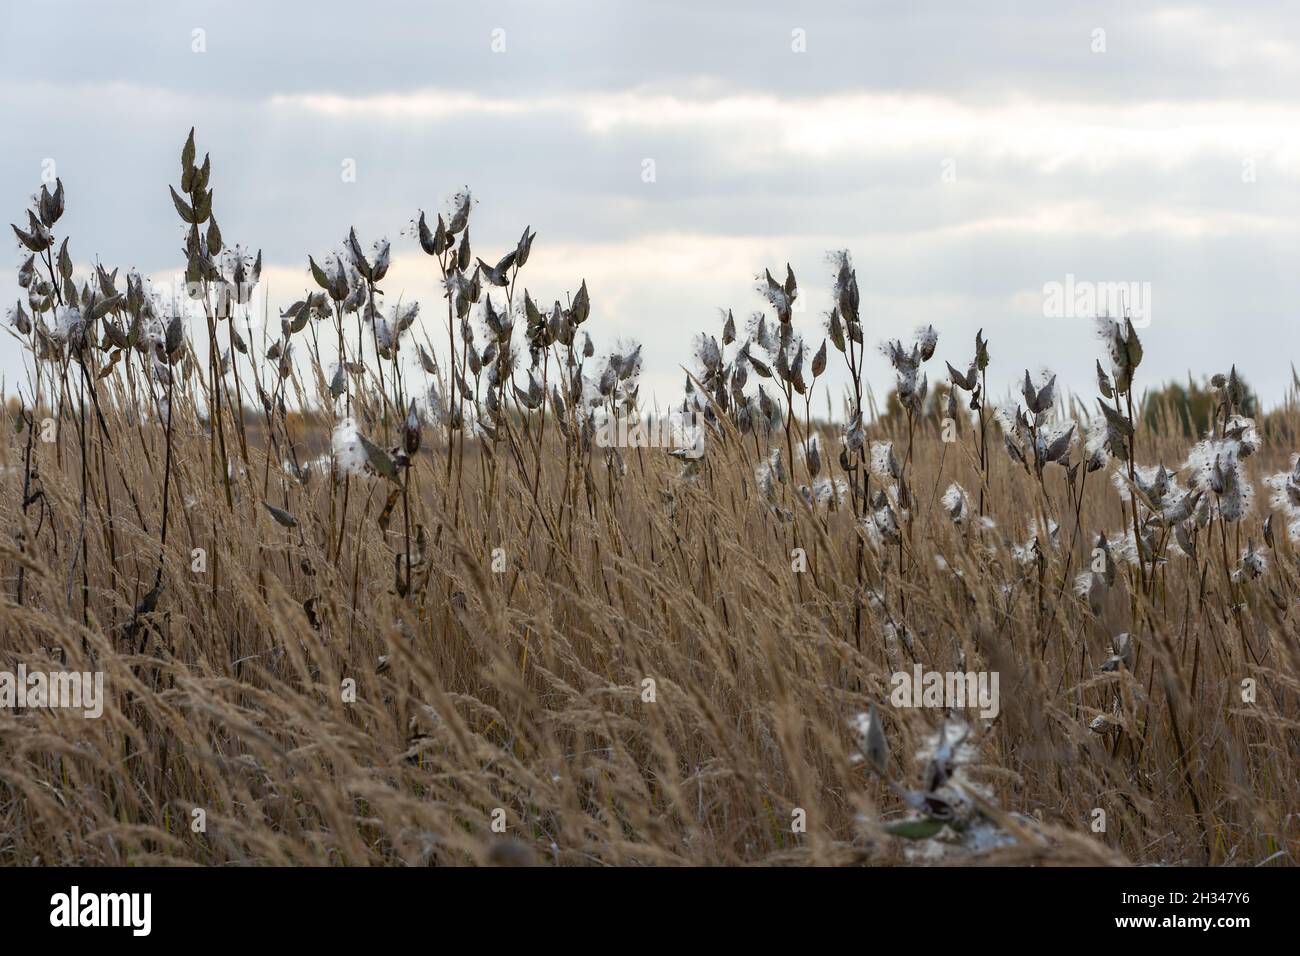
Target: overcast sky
{"type": "Point", "coordinates": [966, 153]}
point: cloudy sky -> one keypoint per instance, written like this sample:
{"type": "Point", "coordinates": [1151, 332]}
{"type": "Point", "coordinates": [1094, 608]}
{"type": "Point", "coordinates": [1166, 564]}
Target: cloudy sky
{"type": "Point", "coordinates": [966, 153]}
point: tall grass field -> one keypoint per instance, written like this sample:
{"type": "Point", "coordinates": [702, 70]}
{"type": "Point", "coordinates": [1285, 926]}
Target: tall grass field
{"type": "Point", "coordinates": [379, 582]}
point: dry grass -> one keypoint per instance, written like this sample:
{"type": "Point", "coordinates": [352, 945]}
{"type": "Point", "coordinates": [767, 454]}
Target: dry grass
{"type": "Point", "coordinates": [478, 688]}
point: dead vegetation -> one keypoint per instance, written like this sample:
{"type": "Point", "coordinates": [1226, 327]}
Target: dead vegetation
{"type": "Point", "coordinates": [468, 610]}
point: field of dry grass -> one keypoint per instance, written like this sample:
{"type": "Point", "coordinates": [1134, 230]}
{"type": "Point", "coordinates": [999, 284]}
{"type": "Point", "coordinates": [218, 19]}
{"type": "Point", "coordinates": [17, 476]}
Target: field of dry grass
{"type": "Point", "coordinates": [463, 610]}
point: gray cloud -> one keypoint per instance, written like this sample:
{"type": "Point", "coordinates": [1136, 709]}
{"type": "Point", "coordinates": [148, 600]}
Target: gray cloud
{"type": "Point", "coordinates": [1125, 165]}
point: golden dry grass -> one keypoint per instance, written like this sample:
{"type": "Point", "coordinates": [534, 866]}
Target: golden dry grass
{"type": "Point", "coordinates": [523, 690]}
{"type": "Point", "coordinates": [521, 686]}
